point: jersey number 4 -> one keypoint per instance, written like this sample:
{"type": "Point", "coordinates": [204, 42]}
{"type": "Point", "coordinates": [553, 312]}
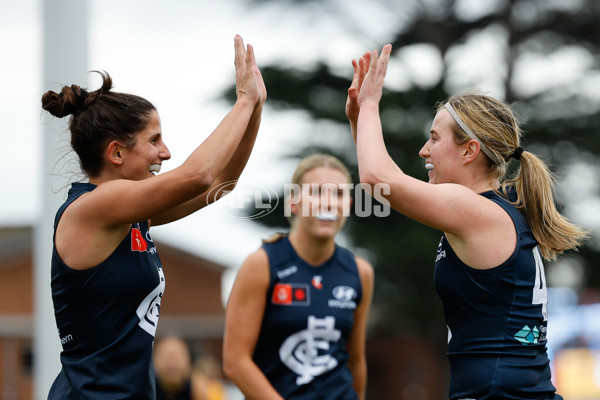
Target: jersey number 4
{"type": "Point", "coordinates": [540, 291]}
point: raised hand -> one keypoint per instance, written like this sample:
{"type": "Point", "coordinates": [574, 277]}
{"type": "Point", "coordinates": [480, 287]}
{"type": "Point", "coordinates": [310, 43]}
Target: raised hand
{"type": "Point", "coordinates": [360, 70]}
{"type": "Point", "coordinates": [262, 89]}
{"type": "Point", "coordinates": [375, 69]}
{"type": "Point", "coordinates": [248, 79]}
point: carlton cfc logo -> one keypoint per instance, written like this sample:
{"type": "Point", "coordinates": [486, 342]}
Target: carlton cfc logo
{"type": "Point", "coordinates": [137, 241]}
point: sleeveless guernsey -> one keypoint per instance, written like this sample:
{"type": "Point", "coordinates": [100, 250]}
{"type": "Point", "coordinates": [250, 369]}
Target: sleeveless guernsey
{"type": "Point", "coordinates": [497, 320]}
{"type": "Point", "coordinates": [307, 321]}
{"type": "Point", "coordinates": [106, 318]}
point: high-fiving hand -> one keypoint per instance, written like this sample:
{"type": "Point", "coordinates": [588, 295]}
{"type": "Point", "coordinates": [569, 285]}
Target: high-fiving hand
{"type": "Point", "coordinates": [248, 79]}
{"type": "Point", "coordinates": [367, 82]}
{"type": "Point", "coordinates": [372, 84]}
{"type": "Point", "coordinates": [360, 70]}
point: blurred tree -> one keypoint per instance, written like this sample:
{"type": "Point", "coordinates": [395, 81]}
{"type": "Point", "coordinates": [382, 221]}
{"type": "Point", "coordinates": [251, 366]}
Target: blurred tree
{"type": "Point", "coordinates": [540, 55]}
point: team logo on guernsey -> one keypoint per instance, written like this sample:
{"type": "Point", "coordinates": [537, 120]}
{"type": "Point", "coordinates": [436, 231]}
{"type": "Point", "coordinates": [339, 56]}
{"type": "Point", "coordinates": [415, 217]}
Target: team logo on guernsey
{"type": "Point", "coordinates": [138, 243]}
{"type": "Point", "coordinates": [149, 308]}
{"type": "Point", "coordinates": [317, 281]}
{"type": "Point", "coordinates": [344, 297]}
{"type": "Point", "coordinates": [291, 294]}
{"type": "Point", "coordinates": [307, 352]}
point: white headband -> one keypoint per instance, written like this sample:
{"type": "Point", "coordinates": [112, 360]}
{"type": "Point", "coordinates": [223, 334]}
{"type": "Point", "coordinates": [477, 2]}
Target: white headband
{"type": "Point", "coordinates": [470, 133]}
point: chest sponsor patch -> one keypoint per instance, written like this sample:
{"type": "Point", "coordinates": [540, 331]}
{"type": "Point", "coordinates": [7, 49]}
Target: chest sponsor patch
{"type": "Point", "coordinates": [138, 243]}
{"type": "Point", "coordinates": [291, 294]}
{"type": "Point", "coordinates": [344, 298]}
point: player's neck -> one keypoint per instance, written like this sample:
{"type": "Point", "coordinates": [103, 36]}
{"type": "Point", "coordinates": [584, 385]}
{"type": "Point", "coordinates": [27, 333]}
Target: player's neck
{"type": "Point", "coordinates": [314, 251]}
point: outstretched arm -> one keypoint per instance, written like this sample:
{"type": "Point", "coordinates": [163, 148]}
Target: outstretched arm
{"type": "Point", "coordinates": [116, 203]}
{"type": "Point", "coordinates": [357, 362]}
{"type": "Point", "coordinates": [373, 157]}
{"type": "Point", "coordinates": [238, 161]}
{"type": "Point", "coordinates": [243, 319]}
{"type": "Point", "coordinates": [104, 215]}
{"type": "Point", "coordinates": [232, 171]}
{"type": "Point", "coordinates": [411, 197]}
{"type": "Point", "coordinates": [449, 207]}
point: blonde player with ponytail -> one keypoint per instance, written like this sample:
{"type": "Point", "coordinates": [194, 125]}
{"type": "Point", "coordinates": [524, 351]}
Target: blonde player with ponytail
{"type": "Point", "coordinates": [496, 231]}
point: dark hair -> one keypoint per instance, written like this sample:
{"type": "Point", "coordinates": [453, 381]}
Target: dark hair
{"type": "Point", "coordinates": [97, 118]}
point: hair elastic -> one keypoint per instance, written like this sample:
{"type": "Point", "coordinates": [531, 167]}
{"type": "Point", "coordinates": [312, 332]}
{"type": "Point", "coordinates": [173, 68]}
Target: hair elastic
{"type": "Point", "coordinates": [517, 153]}
{"type": "Point", "coordinates": [470, 133]}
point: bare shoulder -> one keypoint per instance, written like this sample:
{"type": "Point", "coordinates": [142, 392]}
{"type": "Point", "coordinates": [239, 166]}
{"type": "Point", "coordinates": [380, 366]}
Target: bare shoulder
{"type": "Point", "coordinates": [256, 259]}
{"type": "Point", "coordinates": [255, 268]}
{"type": "Point", "coordinates": [77, 228]}
{"type": "Point", "coordinates": [365, 269]}
{"type": "Point", "coordinates": [251, 282]}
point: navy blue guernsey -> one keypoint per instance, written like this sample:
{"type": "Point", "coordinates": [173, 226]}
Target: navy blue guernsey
{"type": "Point", "coordinates": [497, 320]}
{"type": "Point", "coordinates": [307, 321]}
{"type": "Point", "coordinates": [107, 317]}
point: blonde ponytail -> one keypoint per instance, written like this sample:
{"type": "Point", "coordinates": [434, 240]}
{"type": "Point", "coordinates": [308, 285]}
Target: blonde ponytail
{"type": "Point", "coordinates": [534, 185]}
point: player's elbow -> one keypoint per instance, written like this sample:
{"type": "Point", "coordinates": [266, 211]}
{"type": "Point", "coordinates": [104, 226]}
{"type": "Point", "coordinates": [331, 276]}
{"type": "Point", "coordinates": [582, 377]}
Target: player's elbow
{"type": "Point", "coordinates": [230, 365]}
{"type": "Point", "coordinates": [228, 369]}
{"type": "Point", "coordinates": [370, 175]}
{"type": "Point", "coordinates": [223, 188]}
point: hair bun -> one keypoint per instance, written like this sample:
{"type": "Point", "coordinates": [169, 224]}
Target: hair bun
{"type": "Point", "coordinates": [69, 101]}
{"type": "Point", "coordinates": [80, 95]}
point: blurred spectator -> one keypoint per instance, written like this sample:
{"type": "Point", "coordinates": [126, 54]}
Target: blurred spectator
{"type": "Point", "coordinates": [173, 368]}
{"type": "Point", "coordinates": [207, 374]}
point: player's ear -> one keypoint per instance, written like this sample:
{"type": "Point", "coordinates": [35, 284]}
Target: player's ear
{"type": "Point", "coordinates": [114, 153]}
{"type": "Point", "coordinates": [470, 151]}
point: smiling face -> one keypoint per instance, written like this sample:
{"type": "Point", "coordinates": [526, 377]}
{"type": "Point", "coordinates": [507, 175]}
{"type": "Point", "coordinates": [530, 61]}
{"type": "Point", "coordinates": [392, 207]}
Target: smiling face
{"type": "Point", "coordinates": [145, 158]}
{"type": "Point", "coordinates": [443, 157]}
{"type": "Point", "coordinates": [324, 201]}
